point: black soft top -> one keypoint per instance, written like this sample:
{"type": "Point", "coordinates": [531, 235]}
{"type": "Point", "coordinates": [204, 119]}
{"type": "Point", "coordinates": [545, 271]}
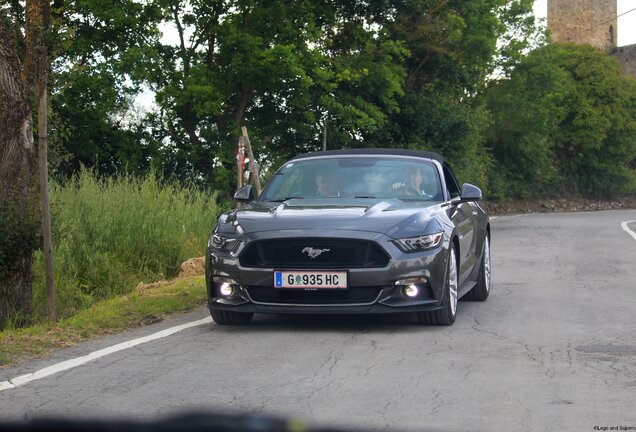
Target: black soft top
{"type": "Point", "coordinates": [375, 151]}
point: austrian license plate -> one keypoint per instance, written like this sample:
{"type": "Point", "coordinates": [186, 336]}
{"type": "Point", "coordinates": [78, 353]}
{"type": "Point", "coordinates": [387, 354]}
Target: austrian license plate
{"type": "Point", "coordinates": [310, 279]}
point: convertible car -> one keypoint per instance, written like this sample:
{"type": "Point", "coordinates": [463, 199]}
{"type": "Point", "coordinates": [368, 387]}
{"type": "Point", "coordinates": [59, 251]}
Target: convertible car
{"type": "Point", "coordinates": [351, 231]}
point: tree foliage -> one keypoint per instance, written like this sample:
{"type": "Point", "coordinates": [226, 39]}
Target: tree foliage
{"type": "Point", "coordinates": [93, 121]}
{"type": "Point", "coordinates": [564, 122]}
{"type": "Point", "coordinates": [453, 50]}
{"type": "Point", "coordinates": [450, 76]}
{"type": "Point", "coordinates": [283, 69]}
{"type": "Point", "coordinates": [235, 65]}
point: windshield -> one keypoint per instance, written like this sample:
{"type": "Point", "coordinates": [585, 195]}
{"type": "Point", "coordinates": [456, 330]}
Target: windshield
{"type": "Point", "coordinates": [356, 177]}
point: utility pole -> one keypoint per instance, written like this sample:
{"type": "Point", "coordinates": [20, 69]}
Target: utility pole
{"type": "Point", "coordinates": [39, 16]}
{"type": "Point", "coordinates": [44, 188]}
{"type": "Point", "coordinates": [324, 135]}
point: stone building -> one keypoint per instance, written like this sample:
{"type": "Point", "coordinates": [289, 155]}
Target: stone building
{"type": "Point", "coordinates": [583, 21]}
{"type": "Point", "coordinates": [592, 22]}
{"type": "Point", "coordinates": [627, 56]}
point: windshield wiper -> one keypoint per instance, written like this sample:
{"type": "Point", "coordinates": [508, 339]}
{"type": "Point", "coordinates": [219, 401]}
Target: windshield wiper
{"type": "Point", "coordinates": [365, 196]}
{"type": "Point", "coordinates": [287, 198]}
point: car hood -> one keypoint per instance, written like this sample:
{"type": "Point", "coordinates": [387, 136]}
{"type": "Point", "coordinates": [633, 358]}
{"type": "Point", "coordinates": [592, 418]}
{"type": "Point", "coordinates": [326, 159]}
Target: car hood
{"type": "Point", "coordinates": [394, 217]}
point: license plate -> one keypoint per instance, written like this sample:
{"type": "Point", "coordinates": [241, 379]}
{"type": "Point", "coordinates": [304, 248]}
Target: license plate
{"type": "Point", "coordinates": [310, 279]}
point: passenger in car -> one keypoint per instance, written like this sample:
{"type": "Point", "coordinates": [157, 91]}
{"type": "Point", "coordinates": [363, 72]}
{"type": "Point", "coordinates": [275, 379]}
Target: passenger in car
{"type": "Point", "coordinates": [327, 184]}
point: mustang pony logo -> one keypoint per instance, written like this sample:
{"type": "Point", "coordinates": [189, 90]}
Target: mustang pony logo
{"type": "Point", "coordinates": [313, 253]}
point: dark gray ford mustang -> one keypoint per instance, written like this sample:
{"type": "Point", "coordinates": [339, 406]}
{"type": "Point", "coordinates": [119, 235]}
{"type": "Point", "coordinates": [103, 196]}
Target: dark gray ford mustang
{"type": "Point", "coordinates": [352, 231]}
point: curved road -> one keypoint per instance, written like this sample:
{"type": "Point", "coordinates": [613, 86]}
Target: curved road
{"type": "Point", "coordinates": [554, 348]}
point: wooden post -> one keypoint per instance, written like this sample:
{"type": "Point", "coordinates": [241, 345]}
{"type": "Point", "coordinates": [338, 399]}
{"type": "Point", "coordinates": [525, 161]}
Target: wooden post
{"type": "Point", "coordinates": [253, 169]}
{"type": "Point", "coordinates": [44, 197]}
{"type": "Point", "coordinates": [42, 12]}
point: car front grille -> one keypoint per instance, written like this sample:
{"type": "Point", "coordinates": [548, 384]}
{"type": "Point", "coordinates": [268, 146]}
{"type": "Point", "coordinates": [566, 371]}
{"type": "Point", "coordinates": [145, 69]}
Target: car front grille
{"type": "Point", "coordinates": [267, 294]}
{"type": "Point", "coordinates": [328, 253]}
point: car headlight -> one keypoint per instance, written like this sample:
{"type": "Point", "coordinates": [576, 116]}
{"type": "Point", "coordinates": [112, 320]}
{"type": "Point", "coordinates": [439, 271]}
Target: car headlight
{"type": "Point", "coordinates": [221, 243]}
{"type": "Point", "coordinates": [414, 244]}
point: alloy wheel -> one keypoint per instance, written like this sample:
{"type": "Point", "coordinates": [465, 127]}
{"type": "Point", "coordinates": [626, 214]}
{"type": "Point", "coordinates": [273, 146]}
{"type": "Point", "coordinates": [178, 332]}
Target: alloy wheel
{"type": "Point", "coordinates": [452, 282]}
{"type": "Point", "coordinates": [487, 263]}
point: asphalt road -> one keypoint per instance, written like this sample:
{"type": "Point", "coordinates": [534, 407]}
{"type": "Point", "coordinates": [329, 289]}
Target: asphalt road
{"type": "Point", "coordinates": [553, 348]}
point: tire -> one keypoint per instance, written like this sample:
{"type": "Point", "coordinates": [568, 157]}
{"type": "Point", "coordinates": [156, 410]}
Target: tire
{"type": "Point", "coordinates": [222, 317]}
{"type": "Point", "coordinates": [481, 291]}
{"type": "Point", "coordinates": [446, 315]}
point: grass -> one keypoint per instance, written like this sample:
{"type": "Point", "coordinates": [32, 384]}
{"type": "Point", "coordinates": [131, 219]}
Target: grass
{"type": "Point", "coordinates": [111, 234]}
{"type": "Point", "coordinates": [145, 305]}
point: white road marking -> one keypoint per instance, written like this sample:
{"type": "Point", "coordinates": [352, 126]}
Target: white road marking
{"type": "Point", "coordinates": [72, 363]}
{"type": "Point", "coordinates": [627, 230]}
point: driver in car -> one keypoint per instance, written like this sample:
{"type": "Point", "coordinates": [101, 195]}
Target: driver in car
{"type": "Point", "coordinates": [413, 183]}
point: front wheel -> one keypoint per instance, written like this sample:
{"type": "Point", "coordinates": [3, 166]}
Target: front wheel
{"type": "Point", "coordinates": [481, 291]}
{"type": "Point", "coordinates": [222, 317]}
{"type": "Point", "coordinates": [446, 315]}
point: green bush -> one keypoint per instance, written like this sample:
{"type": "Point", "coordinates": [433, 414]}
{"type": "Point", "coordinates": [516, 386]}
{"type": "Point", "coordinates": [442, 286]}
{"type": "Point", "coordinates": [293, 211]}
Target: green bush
{"type": "Point", "coordinates": [564, 123]}
{"type": "Point", "coordinates": [111, 234]}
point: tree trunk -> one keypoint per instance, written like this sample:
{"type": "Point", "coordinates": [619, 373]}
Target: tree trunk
{"type": "Point", "coordinates": [18, 206]}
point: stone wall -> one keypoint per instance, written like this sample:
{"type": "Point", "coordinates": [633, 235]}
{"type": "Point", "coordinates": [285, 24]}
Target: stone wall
{"type": "Point", "coordinates": [626, 55]}
{"type": "Point", "coordinates": [583, 21]}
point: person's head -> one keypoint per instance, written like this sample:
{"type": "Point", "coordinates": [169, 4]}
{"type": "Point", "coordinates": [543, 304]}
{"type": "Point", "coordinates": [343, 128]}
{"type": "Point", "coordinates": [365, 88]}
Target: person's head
{"type": "Point", "coordinates": [414, 177]}
{"type": "Point", "coordinates": [326, 184]}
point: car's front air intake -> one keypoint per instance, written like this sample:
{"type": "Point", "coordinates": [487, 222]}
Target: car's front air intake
{"type": "Point", "coordinates": [308, 253]}
{"type": "Point", "coordinates": [353, 295]}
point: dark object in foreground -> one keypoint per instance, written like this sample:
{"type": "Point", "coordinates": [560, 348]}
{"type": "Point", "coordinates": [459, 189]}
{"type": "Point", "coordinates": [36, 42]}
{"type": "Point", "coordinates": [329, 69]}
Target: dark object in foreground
{"type": "Point", "coordinates": [352, 231]}
{"type": "Point", "coordinates": [194, 422]}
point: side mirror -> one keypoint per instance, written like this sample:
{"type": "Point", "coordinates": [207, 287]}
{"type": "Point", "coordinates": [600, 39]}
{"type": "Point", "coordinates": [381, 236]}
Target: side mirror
{"type": "Point", "coordinates": [470, 193]}
{"type": "Point", "coordinates": [246, 193]}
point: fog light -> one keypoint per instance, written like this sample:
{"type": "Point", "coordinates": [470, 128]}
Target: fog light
{"type": "Point", "coordinates": [226, 289]}
{"type": "Point", "coordinates": [411, 291]}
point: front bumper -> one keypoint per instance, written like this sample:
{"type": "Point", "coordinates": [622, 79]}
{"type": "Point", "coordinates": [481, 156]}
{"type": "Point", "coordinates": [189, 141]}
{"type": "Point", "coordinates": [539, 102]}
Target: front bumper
{"type": "Point", "coordinates": [430, 264]}
{"type": "Point", "coordinates": [321, 309]}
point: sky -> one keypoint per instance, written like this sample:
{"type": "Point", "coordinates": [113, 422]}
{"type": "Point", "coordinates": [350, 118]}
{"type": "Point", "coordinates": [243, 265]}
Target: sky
{"type": "Point", "coordinates": [626, 24]}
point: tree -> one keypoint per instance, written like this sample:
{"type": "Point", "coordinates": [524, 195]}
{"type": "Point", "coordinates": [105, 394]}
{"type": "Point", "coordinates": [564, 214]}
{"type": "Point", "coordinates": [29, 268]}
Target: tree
{"type": "Point", "coordinates": [595, 141]}
{"type": "Point", "coordinates": [235, 66]}
{"type": "Point", "coordinates": [454, 50]}
{"type": "Point", "coordinates": [401, 73]}
{"type": "Point", "coordinates": [23, 84]}
{"type": "Point", "coordinates": [564, 122]}
{"type": "Point", "coordinates": [94, 123]}
{"type": "Point", "coordinates": [526, 111]}
{"type": "Point", "coordinates": [18, 205]}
